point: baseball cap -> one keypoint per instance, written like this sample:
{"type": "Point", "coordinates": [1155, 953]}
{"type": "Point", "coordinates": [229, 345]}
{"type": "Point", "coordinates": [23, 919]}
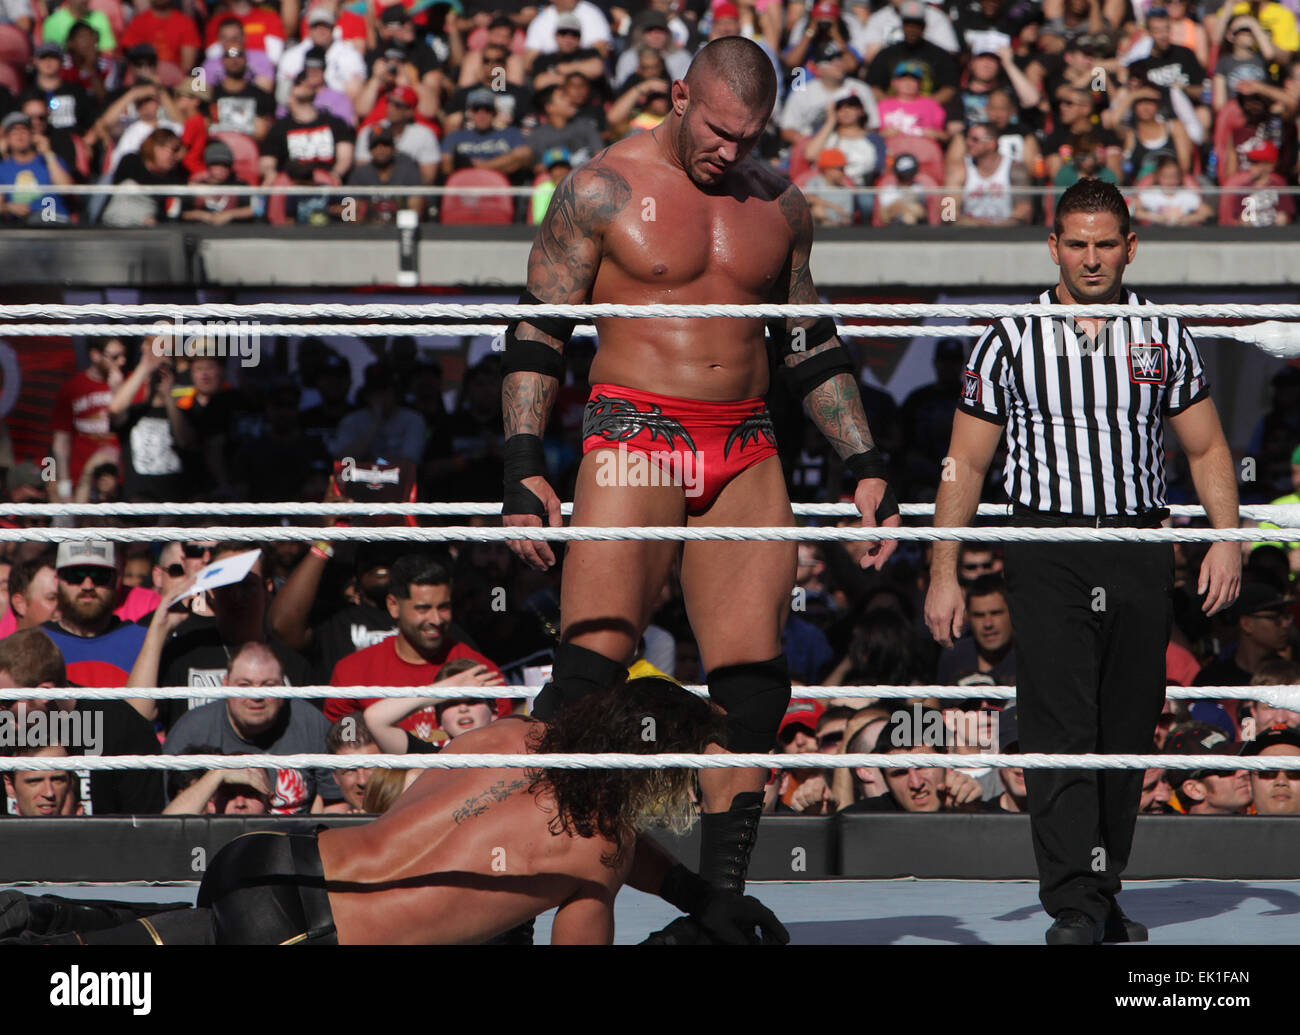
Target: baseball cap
{"type": "Point", "coordinates": [650, 19]}
{"type": "Point", "coordinates": [48, 49]}
{"type": "Point", "coordinates": [982, 47]}
{"type": "Point", "coordinates": [320, 16]}
{"type": "Point", "coordinates": [1259, 595]}
{"type": "Point", "coordinates": [831, 158]}
{"type": "Point", "coordinates": [828, 52]}
{"type": "Point", "coordinates": [218, 153]}
{"type": "Point", "coordinates": [1196, 738]}
{"type": "Point", "coordinates": [725, 9]}
{"type": "Point", "coordinates": [14, 118]}
{"type": "Point", "coordinates": [557, 156]}
{"type": "Point", "coordinates": [404, 95]}
{"type": "Point", "coordinates": [568, 20]}
{"type": "Point", "coordinates": [481, 98]}
{"type": "Point", "coordinates": [22, 475]}
{"type": "Point", "coordinates": [142, 53]}
{"type": "Point", "coordinates": [393, 14]}
{"type": "Point", "coordinates": [1265, 152]}
{"type": "Point", "coordinates": [800, 713]}
{"type": "Point", "coordinates": [912, 11]}
{"type": "Point", "coordinates": [906, 165]}
{"type": "Point", "coordinates": [1274, 736]}
{"type": "Point", "coordinates": [382, 133]}
{"type": "Point", "coordinates": [314, 58]}
{"type": "Point", "coordinates": [825, 10]}
{"type": "Point", "coordinates": [1008, 731]}
{"type": "Point", "coordinates": [909, 68]}
{"type": "Point", "coordinates": [91, 552]}
{"type": "Point", "coordinates": [846, 96]}
{"type": "Point", "coordinates": [1156, 12]}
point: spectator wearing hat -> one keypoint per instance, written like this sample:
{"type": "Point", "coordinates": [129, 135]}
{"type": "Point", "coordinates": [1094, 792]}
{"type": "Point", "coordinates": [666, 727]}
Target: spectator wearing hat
{"type": "Point", "coordinates": [829, 191]}
{"type": "Point", "coordinates": [333, 385]}
{"type": "Point", "coordinates": [823, 26]}
{"type": "Point", "coordinates": [314, 139]}
{"type": "Point", "coordinates": [571, 54]}
{"type": "Point", "coordinates": [1206, 792]}
{"type": "Point", "coordinates": [345, 68]}
{"type": "Point", "coordinates": [985, 179]}
{"type": "Point", "coordinates": [558, 166]}
{"type": "Point", "coordinates": [414, 139]}
{"type": "Point", "coordinates": [905, 112]}
{"type": "Point", "coordinates": [885, 27]}
{"type": "Point", "coordinates": [239, 106]}
{"type": "Point", "coordinates": [583, 15]}
{"type": "Point", "coordinates": [650, 30]}
{"type": "Point", "coordinates": [399, 59]}
{"type": "Point", "coordinates": [24, 484]}
{"type": "Point", "coordinates": [97, 646]}
{"type": "Point", "coordinates": [1260, 202]}
{"type": "Point", "coordinates": [511, 99]}
{"type": "Point", "coordinates": [171, 33]}
{"type": "Point", "coordinates": [1276, 792]}
{"type": "Point", "coordinates": [55, 28]}
{"type": "Point", "coordinates": [335, 102]}
{"type": "Point", "coordinates": [992, 69]}
{"type": "Point", "coordinates": [30, 159]}
{"type": "Point", "coordinates": [1246, 53]}
{"type": "Point", "coordinates": [924, 789]}
{"type": "Point", "coordinates": [1169, 202]}
{"type": "Point", "coordinates": [70, 106]}
{"type": "Point", "coordinates": [382, 428]}
{"type": "Point", "coordinates": [216, 208]}
{"type": "Point", "coordinates": [1263, 622]}
{"type": "Point", "coordinates": [230, 36]}
{"type": "Point", "coordinates": [903, 202]}
{"type": "Point", "coordinates": [562, 127]}
{"type": "Point", "coordinates": [386, 166]}
{"type": "Point", "coordinates": [938, 69]}
{"type": "Point", "coordinates": [806, 109]}
{"type": "Point", "coordinates": [480, 143]}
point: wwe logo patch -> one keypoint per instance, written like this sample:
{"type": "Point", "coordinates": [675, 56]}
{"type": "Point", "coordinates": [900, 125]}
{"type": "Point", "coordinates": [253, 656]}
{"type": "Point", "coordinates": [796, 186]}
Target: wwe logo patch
{"type": "Point", "coordinates": [1146, 363]}
{"type": "Point", "coordinates": [970, 388]}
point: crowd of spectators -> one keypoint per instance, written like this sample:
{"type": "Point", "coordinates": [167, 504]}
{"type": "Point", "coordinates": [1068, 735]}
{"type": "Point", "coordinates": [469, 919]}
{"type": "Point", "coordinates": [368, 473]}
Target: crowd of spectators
{"type": "Point", "coordinates": [134, 426]}
{"type": "Point", "coordinates": [970, 112]}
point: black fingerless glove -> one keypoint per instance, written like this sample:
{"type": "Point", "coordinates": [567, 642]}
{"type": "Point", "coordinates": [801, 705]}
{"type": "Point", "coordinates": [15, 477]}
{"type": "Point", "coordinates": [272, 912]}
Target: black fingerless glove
{"type": "Point", "coordinates": [871, 464]}
{"type": "Point", "coordinates": [523, 459]}
{"type": "Point", "coordinates": [724, 915]}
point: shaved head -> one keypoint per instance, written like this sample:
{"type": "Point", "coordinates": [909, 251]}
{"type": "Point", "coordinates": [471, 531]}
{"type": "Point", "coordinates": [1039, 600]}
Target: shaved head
{"type": "Point", "coordinates": [742, 66]}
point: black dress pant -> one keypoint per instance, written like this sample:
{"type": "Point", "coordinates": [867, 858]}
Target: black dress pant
{"type": "Point", "coordinates": [1091, 624]}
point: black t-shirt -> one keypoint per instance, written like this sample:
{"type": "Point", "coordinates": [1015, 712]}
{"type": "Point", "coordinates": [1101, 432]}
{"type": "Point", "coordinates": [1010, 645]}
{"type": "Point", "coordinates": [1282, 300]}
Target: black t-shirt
{"type": "Point", "coordinates": [545, 62]}
{"type": "Point", "coordinates": [962, 660]}
{"type": "Point", "coordinates": [348, 630]}
{"type": "Point", "coordinates": [1063, 136]}
{"type": "Point", "coordinates": [270, 464]}
{"type": "Point", "coordinates": [424, 59]}
{"type": "Point", "coordinates": [132, 167]}
{"type": "Point", "coordinates": [153, 468]}
{"type": "Point", "coordinates": [127, 791]}
{"type": "Point", "coordinates": [71, 107]}
{"type": "Point", "coordinates": [416, 746]}
{"type": "Point", "coordinates": [238, 110]}
{"type": "Point", "coordinates": [1223, 672]}
{"type": "Point", "coordinates": [880, 803]}
{"type": "Point", "coordinates": [1176, 66]}
{"type": "Point", "coordinates": [313, 142]}
{"type": "Point", "coordinates": [935, 60]}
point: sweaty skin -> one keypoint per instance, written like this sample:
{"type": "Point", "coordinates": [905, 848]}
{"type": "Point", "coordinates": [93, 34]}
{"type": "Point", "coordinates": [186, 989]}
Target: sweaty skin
{"type": "Point", "coordinates": [466, 854]}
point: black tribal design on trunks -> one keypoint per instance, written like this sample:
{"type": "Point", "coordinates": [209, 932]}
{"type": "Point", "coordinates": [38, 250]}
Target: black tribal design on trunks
{"type": "Point", "coordinates": [748, 430]}
{"type": "Point", "coordinates": [618, 420]}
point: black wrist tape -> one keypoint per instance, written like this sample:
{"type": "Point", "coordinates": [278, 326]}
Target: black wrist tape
{"type": "Point", "coordinates": [523, 459]}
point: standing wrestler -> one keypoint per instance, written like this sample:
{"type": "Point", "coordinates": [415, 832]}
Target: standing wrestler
{"type": "Point", "coordinates": [680, 215]}
{"type": "Point", "coordinates": [1082, 402]}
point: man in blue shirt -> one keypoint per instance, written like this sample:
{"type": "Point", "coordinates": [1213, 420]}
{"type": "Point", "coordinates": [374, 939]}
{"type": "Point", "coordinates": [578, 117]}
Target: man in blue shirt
{"type": "Point", "coordinates": [479, 143]}
{"type": "Point", "coordinates": [31, 164]}
{"type": "Point", "coordinates": [99, 648]}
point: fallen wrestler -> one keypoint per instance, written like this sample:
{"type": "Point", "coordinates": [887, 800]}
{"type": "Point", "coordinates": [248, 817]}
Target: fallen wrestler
{"type": "Point", "coordinates": [465, 855]}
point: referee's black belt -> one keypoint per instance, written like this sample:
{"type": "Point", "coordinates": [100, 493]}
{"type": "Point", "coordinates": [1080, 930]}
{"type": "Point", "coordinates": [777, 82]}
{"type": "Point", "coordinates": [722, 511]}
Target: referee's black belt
{"type": "Point", "coordinates": [1047, 519]}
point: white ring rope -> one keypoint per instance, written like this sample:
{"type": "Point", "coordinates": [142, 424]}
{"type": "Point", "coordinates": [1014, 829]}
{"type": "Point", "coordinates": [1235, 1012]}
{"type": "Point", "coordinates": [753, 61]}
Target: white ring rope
{"type": "Point", "coordinates": [1288, 513]}
{"type": "Point", "coordinates": [916, 760]}
{"type": "Point", "coordinates": [1279, 696]}
{"type": "Point", "coordinates": [606, 310]}
{"type": "Point", "coordinates": [1267, 335]}
{"type": "Point", "coordinates": [653, 533]}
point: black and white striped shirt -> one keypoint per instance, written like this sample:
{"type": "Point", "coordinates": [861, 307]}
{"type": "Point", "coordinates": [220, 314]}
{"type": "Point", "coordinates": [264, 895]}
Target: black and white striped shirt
{"type": "Point", "coordinates": [1084, 420]}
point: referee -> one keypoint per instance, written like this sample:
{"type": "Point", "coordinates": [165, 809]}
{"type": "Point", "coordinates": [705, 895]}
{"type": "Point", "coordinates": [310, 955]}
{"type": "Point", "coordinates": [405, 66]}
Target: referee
{"type": "Point", "coordinates": [1081, 402]}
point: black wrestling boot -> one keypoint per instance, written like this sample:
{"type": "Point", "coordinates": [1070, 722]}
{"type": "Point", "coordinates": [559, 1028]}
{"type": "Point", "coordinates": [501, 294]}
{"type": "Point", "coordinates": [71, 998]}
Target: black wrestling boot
{"type": "Point", "coordinates": [51, 914]}
{"type": "Point", "coordinates": [1074, 927]}
{"type": "Point", "coordinates": [727, 841]}
{"type": "Point", "coordinates": [1120, 928]}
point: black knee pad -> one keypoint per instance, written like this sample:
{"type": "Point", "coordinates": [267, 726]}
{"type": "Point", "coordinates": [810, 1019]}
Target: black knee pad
{"type": "Point", "coordinates": [576, 673]}
{"type": "Point", "coordinates": [251, 888]}
{"type": "Point", "coordinates": [755, 695]}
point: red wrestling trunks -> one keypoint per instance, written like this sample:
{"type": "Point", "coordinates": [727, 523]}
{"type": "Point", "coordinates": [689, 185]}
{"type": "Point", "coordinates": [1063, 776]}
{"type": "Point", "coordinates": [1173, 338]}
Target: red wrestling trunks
{"type": "Point", "coordinates": [696, 444]}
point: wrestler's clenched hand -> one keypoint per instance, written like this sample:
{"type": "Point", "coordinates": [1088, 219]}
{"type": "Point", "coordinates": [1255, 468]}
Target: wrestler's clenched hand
{"type": "Point", "coordinates": [870, 494]}
{"type": "Point", "coordinates": [534, 552]}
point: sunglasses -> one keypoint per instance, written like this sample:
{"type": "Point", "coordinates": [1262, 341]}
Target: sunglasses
{"type": "Point", "coordinates": [1272, 774]}
{"type": "Point", "coordinates": [76, 576]}
{"type": "Point", "coordinates": [830, 739]}
{"type": "Point", "coordinates": [567, 32]}
{"type": "Point", "coordinates": [194, 552]}
{"type": "Point", "coordinates": [176, 571]}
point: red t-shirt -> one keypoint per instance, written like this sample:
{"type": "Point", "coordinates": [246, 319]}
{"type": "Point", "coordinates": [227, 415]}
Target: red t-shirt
{"type": "Point", "coordinates": [81, 410]}
{"type": "Point", "coordinates": [258, 23]}
{"type": "Point", "coordinates": [168, 33]}
{"type": "Point", "coordinates": [195, 138]}
{"type": "Point", "coordinates": [379, 665]}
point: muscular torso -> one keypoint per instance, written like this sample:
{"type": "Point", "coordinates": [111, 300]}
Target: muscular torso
{"type": "Point", "coordinates": [463, 855]}
{"type": "Point", "coordinates": [671, 242]}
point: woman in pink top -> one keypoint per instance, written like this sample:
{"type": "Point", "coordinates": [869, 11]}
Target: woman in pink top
{"type": "Point", "coordinates": [905, 112]}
